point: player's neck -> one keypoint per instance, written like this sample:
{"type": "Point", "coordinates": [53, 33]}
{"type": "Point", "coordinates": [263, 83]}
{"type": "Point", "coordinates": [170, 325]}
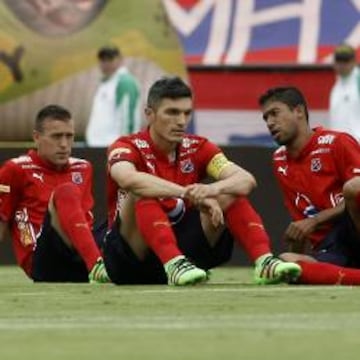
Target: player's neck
{"type": "Point", "coordinates": [46, 162]}
{"type": "Point", "coordinates": [166, 147]}
{"type": "Point", "coordinates": [298, 144]}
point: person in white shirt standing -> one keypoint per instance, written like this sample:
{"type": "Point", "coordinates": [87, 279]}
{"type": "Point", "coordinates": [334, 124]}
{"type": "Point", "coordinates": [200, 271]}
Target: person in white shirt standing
{"type": "Point", "coordinates": [116, 105]}
{"type": "Point", "coordinates": [345, 94]}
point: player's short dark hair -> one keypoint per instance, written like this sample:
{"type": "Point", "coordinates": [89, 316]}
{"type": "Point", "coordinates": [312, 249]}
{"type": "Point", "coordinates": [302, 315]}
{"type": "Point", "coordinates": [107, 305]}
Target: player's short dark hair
{"type": "Point", "coordinates": [167, 88]}
{"type": "Point", "coordinates": [291, 96]}
{"type": "Point", "coordinates": [108, 53]}
{"type": "Point", "coordinates": [51, 112]}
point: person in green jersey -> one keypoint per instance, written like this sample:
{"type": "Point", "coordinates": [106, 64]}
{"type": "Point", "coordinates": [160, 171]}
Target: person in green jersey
{"type": "Point", "coordinates": [116, 105]}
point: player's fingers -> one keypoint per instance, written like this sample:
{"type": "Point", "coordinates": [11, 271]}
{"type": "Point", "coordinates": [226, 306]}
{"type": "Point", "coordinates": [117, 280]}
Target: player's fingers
{"type": "Point", "coordinates": [215, 220]}
{"type": "Point", "coordinates": [291, 234]}
{"type": "Point", "coordinates": [219, 217]}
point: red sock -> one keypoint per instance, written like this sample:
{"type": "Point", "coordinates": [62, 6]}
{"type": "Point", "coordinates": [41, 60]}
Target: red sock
{"type": "Point", "coordinates": [74, 224]}
{"type": "Point", "coordinates": [247, 228]}
{"type": "Point", "coordinates": [156, 229]}
{"type": "Point", "coordinates": [320, 273]}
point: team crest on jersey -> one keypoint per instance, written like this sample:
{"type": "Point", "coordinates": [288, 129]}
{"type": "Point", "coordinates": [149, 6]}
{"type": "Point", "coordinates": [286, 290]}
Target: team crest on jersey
{"type": "Point", "coordinates": [186, 166]}
{"type": "Point", "coordinates": [76, 178]}
{"type": "Point", "coordinates": [315, 165]}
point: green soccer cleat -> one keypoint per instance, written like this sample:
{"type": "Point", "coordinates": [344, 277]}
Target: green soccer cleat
{"type": "Point", "coordinates": [181, 271]}
{"type": "Point", "coordinates": [98, 274]}
{"type": "Point", "coordinates": [272, 270]}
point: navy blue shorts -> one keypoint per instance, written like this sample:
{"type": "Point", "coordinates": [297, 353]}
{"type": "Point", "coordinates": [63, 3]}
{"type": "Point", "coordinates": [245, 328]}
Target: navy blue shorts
{"type": "Point", "coordinates": [124, 267]}
{"type": "Point", "coordinates": [54, 261]}
{"type": "Point", "coordinates": [341, 246]}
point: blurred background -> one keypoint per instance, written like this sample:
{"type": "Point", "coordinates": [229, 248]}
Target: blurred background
{"type": "Point", "coordinates": [230, 51]}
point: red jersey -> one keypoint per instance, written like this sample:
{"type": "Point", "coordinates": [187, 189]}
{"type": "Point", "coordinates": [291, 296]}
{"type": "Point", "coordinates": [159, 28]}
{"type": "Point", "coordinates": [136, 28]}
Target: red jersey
{"type": "Point", "coordinates": [313, 181]}
{"type": "Point", "coordinates": [26, 183]}
{"type": "Point", "coordinates": [189, 166]}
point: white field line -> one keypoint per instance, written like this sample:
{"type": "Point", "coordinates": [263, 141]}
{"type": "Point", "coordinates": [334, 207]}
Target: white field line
{"type": "Point", "coordinates": [202, 288]}
{"type": "Point", "coordinates": [282, 322]}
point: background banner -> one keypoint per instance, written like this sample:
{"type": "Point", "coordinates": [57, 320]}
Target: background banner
{"type": "Point", "coordinates": [237, 49]}
{"type": "Point", "coordinates": [234, 32]}
{"type": "Point", "coordinates": [48, 54]}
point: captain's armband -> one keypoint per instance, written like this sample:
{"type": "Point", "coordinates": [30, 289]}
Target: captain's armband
{"type": "Point", "coordinates": [217, 164]}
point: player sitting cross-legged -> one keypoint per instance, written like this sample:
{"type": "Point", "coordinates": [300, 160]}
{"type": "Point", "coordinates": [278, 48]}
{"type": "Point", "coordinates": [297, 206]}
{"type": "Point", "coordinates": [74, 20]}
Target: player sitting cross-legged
{"type": "Point", "coordinates": [318, 173]}
{"type": "Point", "coordinates": [167, 227]}
{"type": "Point", "coordinates": [46, 201]}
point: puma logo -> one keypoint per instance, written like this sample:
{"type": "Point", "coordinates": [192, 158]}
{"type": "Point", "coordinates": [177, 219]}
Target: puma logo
{"type": "Point", "coordinates": [39, 176]}
{"type": "Point", "coordinates": [282, 170]}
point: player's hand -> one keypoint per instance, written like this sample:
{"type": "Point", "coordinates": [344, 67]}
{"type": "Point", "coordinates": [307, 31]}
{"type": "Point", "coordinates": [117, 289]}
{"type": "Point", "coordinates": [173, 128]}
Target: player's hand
{"type": "Point", "coordinates": [212, 207]}
{"type": "Point", "coordinates": [197, 193]}
{"type": "Point", "coordinates": [299, 231]}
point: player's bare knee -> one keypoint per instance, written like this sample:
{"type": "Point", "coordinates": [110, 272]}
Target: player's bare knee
{"type": "Point", "coordinates": [351, 188]}
{"type": "Point", "coordinates": [287, 256]}
{"type": "Point", "coordinates": [290, 256]}
{"type": "Point", "coordinates": [295, 257]}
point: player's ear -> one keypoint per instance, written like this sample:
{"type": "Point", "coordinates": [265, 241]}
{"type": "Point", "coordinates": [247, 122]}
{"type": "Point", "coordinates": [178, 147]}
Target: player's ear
{"type": "Point", "coordinates": [149, 113]}
{"type": "Point", "coordinates": [35, 136]}
{"type": "Point", "coordinates": [300, 110]}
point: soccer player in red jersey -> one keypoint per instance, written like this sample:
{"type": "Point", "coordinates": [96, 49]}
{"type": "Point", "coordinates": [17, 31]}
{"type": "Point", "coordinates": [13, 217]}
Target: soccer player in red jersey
{"type": "Point", "coordinates": [167, 227]}
{"type": "Point", "coordinates": [45, 203]}
{"type": "Point", "coordinates": [318, 173]}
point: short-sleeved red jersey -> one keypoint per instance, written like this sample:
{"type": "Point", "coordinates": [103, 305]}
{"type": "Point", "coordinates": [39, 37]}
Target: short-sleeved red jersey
{"type": "Point", "coordinates": [189, 166]}
{"type": "Point", "coordinates": [26, 183]}
{"type": "Point", "coordinates": [313, 181]}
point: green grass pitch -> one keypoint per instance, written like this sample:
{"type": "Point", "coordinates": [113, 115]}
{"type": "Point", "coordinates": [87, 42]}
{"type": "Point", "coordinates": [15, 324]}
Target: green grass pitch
{"type": "Point", "coordinates": [228, 318]}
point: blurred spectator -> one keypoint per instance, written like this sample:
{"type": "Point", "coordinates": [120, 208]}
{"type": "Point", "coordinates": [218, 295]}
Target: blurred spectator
{"type": "Point", "coordinates": [116, 105]}
{"type": "Point", "coordinates": [345, 94]}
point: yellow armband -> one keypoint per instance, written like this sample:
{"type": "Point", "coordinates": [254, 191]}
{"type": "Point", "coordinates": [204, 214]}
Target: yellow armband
{"type": "Point", "coordinates": [217, 164]}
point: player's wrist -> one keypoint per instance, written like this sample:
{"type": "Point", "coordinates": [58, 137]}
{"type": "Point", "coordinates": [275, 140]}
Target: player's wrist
{"type": "Point", "coordinates": [316, 221]}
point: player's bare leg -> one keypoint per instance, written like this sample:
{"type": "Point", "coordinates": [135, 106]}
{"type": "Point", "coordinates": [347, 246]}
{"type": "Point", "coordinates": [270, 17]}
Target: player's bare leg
{"type": "Point", "coordinates": [129, 230]}
{"type": "Point", "coordinates": [351, 192]}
